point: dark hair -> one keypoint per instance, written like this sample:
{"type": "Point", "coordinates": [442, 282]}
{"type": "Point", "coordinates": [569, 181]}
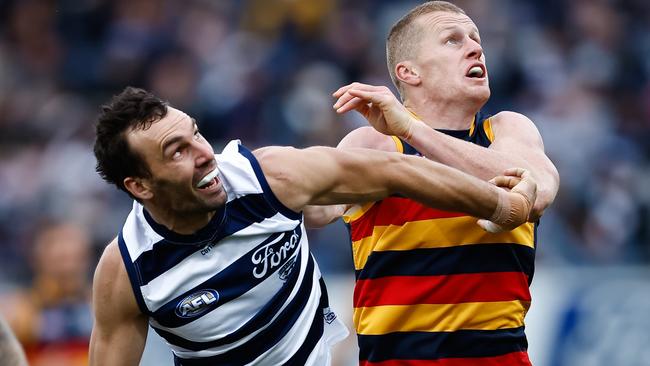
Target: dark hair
{"type": "Point", "coordinates": [132, 109]}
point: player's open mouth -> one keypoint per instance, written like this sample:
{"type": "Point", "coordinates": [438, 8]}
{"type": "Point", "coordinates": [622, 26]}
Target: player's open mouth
{"type": "Point", "coordinates": [476, 71]}
{"type": "Point", "coordinates": [209, 181]}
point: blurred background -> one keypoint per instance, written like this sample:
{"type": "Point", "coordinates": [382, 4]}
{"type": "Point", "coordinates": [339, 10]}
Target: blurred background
{"type": "Point", "coordinates": [263, 71]}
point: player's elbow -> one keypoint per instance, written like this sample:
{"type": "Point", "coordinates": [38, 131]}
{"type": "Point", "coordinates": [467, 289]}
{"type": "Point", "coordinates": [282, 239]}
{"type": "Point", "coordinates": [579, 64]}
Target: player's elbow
{"type": "Point", "coordinates": [546, 192]}
{"type": "Point", "coordinates": [549, 190]}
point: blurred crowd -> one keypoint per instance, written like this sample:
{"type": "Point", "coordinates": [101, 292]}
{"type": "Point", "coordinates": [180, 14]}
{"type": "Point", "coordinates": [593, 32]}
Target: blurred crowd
{"type": "Point", "coordinates": [263, 71]}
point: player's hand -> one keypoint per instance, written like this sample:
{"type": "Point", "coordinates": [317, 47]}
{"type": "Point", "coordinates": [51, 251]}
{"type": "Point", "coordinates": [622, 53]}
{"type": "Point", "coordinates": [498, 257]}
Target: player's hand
{"type": "Point", "coordinates": [515, 201]}
{"type": "Point", "coordinates": [378, 105]}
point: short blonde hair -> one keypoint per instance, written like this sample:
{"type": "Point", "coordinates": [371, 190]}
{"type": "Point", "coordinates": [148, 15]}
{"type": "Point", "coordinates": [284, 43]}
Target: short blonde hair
{"type": "Point", "coordinates": [405, 36]}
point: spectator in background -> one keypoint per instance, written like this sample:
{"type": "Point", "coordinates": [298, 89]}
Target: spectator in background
{"type": "Point", "coordinates": [52, 317]}
{"type": "Point", "coordinates": [11, 354]}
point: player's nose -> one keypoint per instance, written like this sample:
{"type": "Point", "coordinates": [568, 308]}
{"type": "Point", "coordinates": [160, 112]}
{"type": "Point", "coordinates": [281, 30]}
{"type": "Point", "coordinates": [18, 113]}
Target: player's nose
{"type": "Point", "coordinates": [474, 49]}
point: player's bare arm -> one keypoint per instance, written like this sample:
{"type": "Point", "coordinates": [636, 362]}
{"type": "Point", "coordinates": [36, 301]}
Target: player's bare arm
{"type": "Point", "coordinates": [120, 329]}
{"type": "Point", "coordinates": [517, 141]}
{"type": "Point", "coordinates": [363, 137]}
{"type": "Point", "coordinates": [326, 176]}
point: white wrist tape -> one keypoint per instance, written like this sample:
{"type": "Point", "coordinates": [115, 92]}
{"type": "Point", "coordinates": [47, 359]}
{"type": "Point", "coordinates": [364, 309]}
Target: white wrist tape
{"type": "Point", "coordinates": [511, 209]}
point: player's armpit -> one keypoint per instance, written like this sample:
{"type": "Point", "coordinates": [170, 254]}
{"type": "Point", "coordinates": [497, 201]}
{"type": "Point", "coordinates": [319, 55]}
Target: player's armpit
{"type": "Point", "coordinates": [120, 329]}
{"type": "Point", "coordinates": [319, 216]}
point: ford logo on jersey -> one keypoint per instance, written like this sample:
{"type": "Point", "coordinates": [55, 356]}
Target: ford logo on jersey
{"type": "Point", "coordinates": [269, 256]}
{"type": "Point", "coordinates": [196, 303]}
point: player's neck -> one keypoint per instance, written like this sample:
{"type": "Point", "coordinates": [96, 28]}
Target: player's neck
{"type": "Point", "coordinates": [443, 115]}
{"type": "Point", "coordinates": [184, 224]}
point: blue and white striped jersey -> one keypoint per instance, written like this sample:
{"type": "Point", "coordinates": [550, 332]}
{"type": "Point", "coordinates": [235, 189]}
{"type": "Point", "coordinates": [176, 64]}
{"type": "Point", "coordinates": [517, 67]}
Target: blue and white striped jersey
{"type": "Point", "coordinates": [244, 290]}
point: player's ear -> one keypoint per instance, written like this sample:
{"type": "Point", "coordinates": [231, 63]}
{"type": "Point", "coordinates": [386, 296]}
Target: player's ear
{"type": "Point", "coordinates": [407, 73]}
{"type": "Point", "coordinates": [140, 188]}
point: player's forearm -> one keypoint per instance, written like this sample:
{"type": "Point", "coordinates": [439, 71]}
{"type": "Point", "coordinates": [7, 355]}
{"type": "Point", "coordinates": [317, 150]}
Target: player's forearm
{"type": "Point", "coordinates": [445, 188]}
{"type": "Point", "coordinates": [467, 157]}
{"type": "Point", "coordinates": [482, 162]}
{"type": "Point", "coordinates": [379, 174]}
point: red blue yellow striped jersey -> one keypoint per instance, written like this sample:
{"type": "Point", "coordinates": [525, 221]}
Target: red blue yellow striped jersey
{"type": "Point", "coordinates": [432, 288]}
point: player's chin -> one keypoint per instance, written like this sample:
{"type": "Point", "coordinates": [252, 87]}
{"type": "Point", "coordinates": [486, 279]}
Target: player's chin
{"type": "Point", "coordinates": [214, 200]}
{"type": "Point", "coordinates": [480, 93]}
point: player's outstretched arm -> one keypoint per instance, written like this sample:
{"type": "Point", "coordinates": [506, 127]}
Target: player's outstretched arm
{"type": "Point", "coordinates": [364, 137]}
{"type": "Point", "coordinates": [516, 140]}
{"type": "Point", "coordinates": [326, 176]}
{"type": "Point", "coordinates": [120, 329]}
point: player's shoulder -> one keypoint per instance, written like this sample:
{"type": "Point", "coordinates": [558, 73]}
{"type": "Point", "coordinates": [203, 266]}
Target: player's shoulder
{"type": "Point", "coordinates": [110, 263]}
{"type": "Point", "coordinates": [272, 149]}
{"type": "Point", "coordinates": [111, 286]}
{"type": "Point", "coordinates": [269, 156]}
{"type": "Point", "coordinates": [368, 138]}
{"type": "Point", "coordinates": [509, 118]}
{"type": "Point", "coordinates": [507, 124]}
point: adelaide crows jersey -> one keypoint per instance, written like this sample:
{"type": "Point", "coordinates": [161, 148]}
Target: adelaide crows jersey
{"type": "Point", "coordinates": [433, 288]}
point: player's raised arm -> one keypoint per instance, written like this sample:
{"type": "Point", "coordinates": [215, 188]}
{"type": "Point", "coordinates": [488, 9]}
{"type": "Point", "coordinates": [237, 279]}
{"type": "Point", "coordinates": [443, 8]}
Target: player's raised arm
{"type": "Point", "coordinates": [517, 141]}
{"type": "Point", "coordinates": [120, 329]}
{"type": "Point", "coordinates": [325, 176]}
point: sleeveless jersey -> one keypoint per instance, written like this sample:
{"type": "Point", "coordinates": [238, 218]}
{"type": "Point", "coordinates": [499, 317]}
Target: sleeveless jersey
{"type": "Point", "coordinates": [433, 288]}
{"type": "Point", "coordinates": [244, 290]}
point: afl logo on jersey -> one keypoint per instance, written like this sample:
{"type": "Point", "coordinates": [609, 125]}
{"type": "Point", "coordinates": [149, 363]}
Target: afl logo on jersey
{"type": "Point", "coordinates": [196, 303]}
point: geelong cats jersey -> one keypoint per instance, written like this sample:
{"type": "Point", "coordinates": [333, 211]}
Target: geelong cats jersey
{"type": "Point", "coordinates": [244, 289]}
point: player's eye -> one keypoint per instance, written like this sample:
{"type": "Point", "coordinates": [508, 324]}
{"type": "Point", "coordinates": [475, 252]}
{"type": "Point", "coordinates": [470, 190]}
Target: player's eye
{"type": "Point", "coordinates": [452, 41]}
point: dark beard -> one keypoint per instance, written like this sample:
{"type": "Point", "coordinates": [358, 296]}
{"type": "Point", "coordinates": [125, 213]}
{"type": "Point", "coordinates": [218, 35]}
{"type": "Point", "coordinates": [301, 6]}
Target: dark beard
{"type": "Point", "coordinates": [179, 199]}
